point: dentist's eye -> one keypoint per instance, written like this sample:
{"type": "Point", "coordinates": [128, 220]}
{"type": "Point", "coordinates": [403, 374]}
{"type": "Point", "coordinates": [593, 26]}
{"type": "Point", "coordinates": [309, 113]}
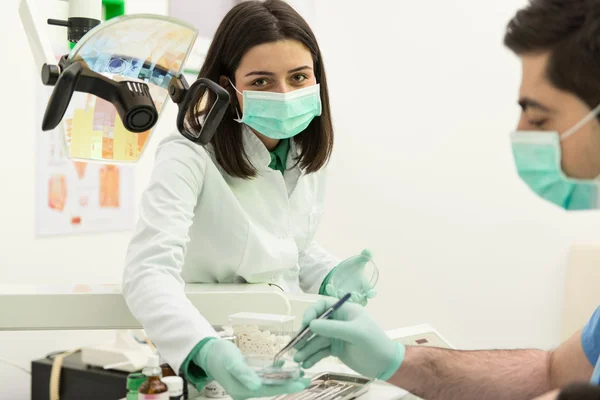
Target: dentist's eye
{"type": "Point", "coordinates": [300, 78]}
{"type": "Point", "coordinates": [538, 123]}
{"type": "Point", "coordinates": [260, 83]}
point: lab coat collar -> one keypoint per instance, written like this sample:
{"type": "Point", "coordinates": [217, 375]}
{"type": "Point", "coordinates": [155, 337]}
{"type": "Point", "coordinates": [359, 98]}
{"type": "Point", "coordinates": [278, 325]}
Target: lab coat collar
{"type": "Point", "coordinates": [255, 149]}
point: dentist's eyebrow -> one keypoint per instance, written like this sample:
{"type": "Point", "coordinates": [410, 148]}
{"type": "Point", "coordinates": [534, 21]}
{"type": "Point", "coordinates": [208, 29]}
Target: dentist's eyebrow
{"type": "Point", "coordinates": [527, 103]}
{"type": "Point", "coordinates": [268, 73]}
{"type": "Point", "coordinates": [302, 68]}
{"type": "Point", "coordinates": [262, 73]}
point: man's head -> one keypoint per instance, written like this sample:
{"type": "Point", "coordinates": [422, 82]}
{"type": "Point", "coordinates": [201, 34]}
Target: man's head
{"type": "Point", "coordinates": [558, 42]}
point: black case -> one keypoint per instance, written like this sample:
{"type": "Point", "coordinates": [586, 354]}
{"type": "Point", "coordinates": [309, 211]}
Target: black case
{"type": "Point", "coordinates": [77, 381]}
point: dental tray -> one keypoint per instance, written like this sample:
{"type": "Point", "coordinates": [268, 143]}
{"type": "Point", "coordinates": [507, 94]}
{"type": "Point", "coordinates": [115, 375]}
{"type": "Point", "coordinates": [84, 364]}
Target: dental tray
{"type": "Point", "coordinates": [331, 386]}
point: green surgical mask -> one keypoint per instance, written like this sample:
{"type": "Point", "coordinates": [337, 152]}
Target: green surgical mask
{"type": "Point", "coordinates": [280, 115]}
{"type": "Point", "coordinates": [537, 157]}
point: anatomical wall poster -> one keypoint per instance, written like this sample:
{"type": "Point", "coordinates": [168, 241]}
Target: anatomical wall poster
{"type": "Point", "coordinates": [77, 197]}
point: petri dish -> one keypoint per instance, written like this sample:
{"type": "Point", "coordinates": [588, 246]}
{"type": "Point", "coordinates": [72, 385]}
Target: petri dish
{"type": "Point", "coordinates": [284, 371]}
{"type": "Point", "coordinates": [344, 277]}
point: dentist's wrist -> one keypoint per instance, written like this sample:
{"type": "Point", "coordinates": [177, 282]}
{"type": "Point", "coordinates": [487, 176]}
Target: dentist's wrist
{"type": "Point", "coordinates": [202, 355]}
{"type": "Point", "coordinates": [190, 368]}
{"type": "Point", "coordinates": [395, 363]}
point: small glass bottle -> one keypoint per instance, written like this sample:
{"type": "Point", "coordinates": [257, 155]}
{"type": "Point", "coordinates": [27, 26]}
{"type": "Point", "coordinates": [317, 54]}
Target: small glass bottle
{"type": "Point", "coordinates": [175, 385]}
{"type": "Point", "coordinates": [167, 370]}
{"type": "Point", "coordinates": [153, 388]}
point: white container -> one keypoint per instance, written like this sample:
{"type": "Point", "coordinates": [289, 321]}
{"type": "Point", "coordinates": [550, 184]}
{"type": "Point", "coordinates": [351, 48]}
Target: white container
{"type": "Point", "coordinates": [175, 385]}
{"type": "Point", "coordinates": [261, 334]}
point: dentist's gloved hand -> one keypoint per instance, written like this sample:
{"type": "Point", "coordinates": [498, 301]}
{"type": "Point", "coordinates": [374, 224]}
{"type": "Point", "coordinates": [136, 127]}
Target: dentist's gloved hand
{"type": "Point", "coordinates": [222, 361]}
{"type": "Point", "coordinates": [352, 336]}
{"type": "Point", "coordinates": [350, 277]}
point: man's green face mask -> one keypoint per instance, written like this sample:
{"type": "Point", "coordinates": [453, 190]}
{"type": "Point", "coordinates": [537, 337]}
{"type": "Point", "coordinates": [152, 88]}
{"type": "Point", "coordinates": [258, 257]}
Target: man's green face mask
{"type": "Point", "coordinates": [537, 157]}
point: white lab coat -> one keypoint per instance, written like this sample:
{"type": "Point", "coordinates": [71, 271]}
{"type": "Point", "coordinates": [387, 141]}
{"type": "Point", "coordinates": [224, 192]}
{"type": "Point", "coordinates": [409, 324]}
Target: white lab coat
{"type": "Point", "coordinates": [198, 224]}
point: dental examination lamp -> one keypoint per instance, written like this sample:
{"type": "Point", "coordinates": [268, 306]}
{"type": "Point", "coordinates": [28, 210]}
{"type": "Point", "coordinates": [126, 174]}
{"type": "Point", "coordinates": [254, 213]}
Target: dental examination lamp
{"type": "Point", "coordinates": [133, 62]}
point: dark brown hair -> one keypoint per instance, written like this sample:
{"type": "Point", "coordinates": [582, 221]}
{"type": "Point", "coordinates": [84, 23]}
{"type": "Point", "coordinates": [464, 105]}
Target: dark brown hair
{"type": "Point", "coordinates": [249, 24]}
{"type": "Point", "coordinates": [570, 31]}
{"type": "Point", "coordinates": [580, 391]}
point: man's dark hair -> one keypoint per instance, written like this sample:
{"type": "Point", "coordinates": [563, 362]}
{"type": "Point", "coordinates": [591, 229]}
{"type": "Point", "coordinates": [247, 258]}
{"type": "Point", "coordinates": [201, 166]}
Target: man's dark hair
{"type": "Point", "coordinates": [580, 391]}
{"type": "Point", "coordinates": [250, 24]}
{"type": "Point", "coordinates": [570, 31]}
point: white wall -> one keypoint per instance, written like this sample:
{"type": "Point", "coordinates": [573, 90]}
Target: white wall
{"type": "Point", "coordinates": [423, 98]}
{"type": "Point", "coordinates": [205, 14]}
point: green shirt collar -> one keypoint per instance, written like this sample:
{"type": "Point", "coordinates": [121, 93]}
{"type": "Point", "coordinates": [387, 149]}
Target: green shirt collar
{"type": "Point", "coordinates": [279, 156]}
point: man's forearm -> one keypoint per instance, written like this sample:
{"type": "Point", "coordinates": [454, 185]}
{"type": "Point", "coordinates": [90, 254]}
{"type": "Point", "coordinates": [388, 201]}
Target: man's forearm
{"type": "Point", "coordinates": [440, 374]}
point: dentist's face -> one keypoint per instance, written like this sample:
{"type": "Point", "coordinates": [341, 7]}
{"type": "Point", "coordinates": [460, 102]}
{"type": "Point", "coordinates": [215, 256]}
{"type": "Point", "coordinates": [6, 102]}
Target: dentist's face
{"type": "Point", "coordinates": [546, 108]}
{"type": "Point", "coordinates": [281, 67]}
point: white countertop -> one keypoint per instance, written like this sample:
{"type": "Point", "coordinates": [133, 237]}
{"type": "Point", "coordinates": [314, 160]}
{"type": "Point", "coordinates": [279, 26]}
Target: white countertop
{"type": "Point", "coordinates": [66, 307]}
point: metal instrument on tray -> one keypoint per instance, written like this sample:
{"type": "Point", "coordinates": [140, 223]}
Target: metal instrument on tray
{"type": "Point", "coordinates": [331, 386]}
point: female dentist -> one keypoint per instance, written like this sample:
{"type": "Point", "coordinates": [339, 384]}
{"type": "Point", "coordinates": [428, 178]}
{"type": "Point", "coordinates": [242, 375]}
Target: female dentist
{"type": "Point", "coordinates": [244, 208]}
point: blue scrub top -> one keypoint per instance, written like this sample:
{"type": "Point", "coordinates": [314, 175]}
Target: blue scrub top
{"type": "Point", "coordinates": [590, 340]}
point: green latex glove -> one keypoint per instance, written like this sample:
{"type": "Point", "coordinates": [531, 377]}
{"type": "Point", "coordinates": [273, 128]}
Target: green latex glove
{"type": "Point", "coordinates": [223, 362]}
{"type": "Point", "coordinates": [349, 277]}
{"type": "Point", "coordinates": [352, 336]}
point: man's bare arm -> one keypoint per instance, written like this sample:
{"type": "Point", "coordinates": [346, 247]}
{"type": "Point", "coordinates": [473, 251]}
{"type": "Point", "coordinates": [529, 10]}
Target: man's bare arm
{"type": "Point", "coordinates": [553, 395]}
{"type": "Point", "coordinates": [569, 364]}
{"type": "Point", "coordinates": [443, 374]}
{"type": "Point", "coordinates": [435, 374]}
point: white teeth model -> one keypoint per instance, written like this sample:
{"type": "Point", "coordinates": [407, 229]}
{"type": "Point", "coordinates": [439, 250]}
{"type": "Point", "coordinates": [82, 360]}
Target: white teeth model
{"type": "Point", "coordinates": [251, 340]}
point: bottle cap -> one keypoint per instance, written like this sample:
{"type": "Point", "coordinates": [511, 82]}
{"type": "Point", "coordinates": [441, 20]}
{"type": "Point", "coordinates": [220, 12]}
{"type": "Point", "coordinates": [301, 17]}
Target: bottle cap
{"type": "Point", "coordinates": [175, 385]}
{"type": "Point", "coordinates": [134, 381]}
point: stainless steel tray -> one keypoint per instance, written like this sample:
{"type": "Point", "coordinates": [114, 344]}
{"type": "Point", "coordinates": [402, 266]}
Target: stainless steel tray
{"type": "Point", "coordinates": [331, 386]}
